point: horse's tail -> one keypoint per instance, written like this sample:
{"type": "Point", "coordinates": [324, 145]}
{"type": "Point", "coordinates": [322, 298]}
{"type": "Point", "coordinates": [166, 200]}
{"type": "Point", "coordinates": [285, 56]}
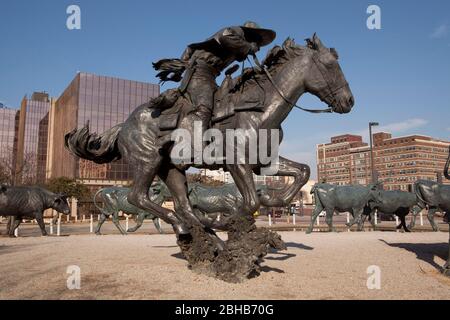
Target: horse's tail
{"type": "Point", "coordinates": [447, 164]}
{"type": "Point", "coordinates": [101, 148]}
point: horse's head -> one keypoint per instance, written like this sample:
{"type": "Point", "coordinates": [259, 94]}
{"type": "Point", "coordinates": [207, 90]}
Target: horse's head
{"type": "Point", "coordinates": [325, 78]}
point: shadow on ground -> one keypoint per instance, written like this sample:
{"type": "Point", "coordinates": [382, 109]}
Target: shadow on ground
{"type": "Point", "coordinates": [424, 251]}
{"type": "Point", "coordinates": [5, 249]}
{"type": "Point", "coordinates": [178, 255]}
{"type": "Point", "coordinates": [298, 246]}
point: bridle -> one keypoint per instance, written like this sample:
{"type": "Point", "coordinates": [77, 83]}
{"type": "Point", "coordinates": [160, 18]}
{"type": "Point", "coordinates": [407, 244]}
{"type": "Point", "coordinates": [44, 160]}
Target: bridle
{"type": "Point", "coordinates": [320, 66]}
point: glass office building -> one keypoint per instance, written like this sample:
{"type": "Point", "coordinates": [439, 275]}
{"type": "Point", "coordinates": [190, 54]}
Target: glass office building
{"type": "Point", "coordinates": [104, 102]}
{"type": "Point", "coordinates": [8, 140]}
{"type": "Point", "coordinates": [31, 158]}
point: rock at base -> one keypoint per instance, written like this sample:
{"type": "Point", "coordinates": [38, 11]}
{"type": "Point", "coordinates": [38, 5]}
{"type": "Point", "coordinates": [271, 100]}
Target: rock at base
{"type": "Point", "coordinates": [235, 260]}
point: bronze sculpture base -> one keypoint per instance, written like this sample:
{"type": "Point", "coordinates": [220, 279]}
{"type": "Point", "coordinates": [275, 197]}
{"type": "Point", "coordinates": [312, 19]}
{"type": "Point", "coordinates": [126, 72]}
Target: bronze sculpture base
{"type": "Point", "coordinates": [446, 270]}
{"type": "Point", "coordinates": [241, 255]}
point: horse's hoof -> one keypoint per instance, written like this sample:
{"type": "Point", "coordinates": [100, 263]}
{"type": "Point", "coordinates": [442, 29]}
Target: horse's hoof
{"type": "Point", "coordinates": [308, 231]}
{"type": "Point", "coordinates": [348, 225]}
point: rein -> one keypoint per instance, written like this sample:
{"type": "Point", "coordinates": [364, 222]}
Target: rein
{"type": "Point", "coordinates": [280, 92]}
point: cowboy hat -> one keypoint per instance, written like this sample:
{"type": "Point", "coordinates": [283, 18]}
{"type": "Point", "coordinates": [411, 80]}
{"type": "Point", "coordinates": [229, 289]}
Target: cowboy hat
{"type": "Point", "coordinates": [254, 33]}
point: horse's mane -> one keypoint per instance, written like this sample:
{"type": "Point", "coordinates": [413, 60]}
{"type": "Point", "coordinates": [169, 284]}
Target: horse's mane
{"type": "Point", "coordinates": [274, 59]}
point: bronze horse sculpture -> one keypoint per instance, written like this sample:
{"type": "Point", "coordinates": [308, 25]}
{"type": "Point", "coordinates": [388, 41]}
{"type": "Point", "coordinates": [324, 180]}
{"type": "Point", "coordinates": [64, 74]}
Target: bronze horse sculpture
{"type": "Point", "coordinates": [293, 70]}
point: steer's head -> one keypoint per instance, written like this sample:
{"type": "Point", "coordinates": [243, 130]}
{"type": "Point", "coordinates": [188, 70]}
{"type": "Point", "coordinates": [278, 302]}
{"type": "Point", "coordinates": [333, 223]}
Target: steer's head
{"type": "Point", "coordinates": [61, 204]}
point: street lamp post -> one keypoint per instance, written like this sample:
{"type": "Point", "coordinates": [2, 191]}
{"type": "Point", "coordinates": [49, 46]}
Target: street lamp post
{"type": "Point", "coordinates": [372, 165]}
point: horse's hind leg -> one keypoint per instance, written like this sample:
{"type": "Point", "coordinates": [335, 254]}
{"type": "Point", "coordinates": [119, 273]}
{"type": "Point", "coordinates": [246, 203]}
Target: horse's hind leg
{"type": "Point", "coordinates": [138, 196]}
{"type": "Point", "coordinates": [176, 182]}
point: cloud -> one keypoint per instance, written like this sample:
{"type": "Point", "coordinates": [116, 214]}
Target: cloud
{"type": "Point", "coordinates": [395, 127]}
{"type": "Point", "coordinates": [440, 32]}
{"type": "Point", "coordinates": [403, 126]}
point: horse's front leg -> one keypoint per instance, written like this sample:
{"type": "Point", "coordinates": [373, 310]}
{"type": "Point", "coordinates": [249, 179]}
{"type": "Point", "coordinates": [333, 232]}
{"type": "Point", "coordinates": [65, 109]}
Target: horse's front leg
{"type": "Point", "coordinates": [300, 172]}
{"type": "Point", "coordinates": [243, 177]}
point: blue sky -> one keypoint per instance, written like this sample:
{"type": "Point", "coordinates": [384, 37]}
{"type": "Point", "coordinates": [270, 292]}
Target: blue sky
{"type": "Point", "coordinates": [400, 75]}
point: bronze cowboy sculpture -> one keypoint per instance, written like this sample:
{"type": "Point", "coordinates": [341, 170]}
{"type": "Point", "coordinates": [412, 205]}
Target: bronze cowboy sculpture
{"type": "Point", "coordinates": [259, 100]}
{"type": "Point", "coordinates": [203, 62]}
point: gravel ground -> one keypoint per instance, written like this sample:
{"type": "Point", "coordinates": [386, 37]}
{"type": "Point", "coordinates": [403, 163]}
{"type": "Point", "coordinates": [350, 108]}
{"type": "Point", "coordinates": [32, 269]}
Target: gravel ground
{"type": "Point", "coordinates": [316, 266]}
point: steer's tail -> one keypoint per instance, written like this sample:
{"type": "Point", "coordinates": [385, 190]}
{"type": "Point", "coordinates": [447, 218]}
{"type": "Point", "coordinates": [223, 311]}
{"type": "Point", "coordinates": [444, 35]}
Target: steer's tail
{"type": "Point", "coordinates": [101, 148]}
{"type": "Point", "coordinates": [313, 189]}
{"type": "Point", "coordinates": [95, 202]}
{"type": "Point", "coordinates": [315, 192]}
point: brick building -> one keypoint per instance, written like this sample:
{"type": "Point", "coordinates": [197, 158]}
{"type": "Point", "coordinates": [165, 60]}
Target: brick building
{"type": "Point", "coordinates": [345, 160]}
{"type": "Point", "coordinates": [398, 161]}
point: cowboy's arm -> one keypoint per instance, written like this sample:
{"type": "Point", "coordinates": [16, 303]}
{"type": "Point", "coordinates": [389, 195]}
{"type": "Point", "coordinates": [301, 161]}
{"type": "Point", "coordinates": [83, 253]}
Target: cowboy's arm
{"type": "Point", "coordinates": [233, 40]}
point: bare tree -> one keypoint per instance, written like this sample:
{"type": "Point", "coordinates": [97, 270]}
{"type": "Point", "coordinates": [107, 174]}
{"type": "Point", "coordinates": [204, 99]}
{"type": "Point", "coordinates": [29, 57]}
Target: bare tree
{"type": "Point", "coordinates": [14, 173]}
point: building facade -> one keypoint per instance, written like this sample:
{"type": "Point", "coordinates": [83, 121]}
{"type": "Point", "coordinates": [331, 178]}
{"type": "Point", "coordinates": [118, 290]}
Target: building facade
{"type": "Point", "coordinates": [345, 160]}
{"type": "Point", "coordinates": [401, 161]}
{"type": "Point", "coordinates": [398, 162]}
{"type": "Point", "coordinates": [104, 102]}
{"type": "Point", "coordinates": [8, 143]}
{"type": "Point", "coordinates": [30, 153]}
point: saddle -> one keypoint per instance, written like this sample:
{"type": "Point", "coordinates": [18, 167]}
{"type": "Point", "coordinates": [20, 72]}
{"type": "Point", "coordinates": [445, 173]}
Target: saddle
{"type": "Point", "coordinates": [234, 95]}
{"type": "Point", "coordinates": [237, 95]}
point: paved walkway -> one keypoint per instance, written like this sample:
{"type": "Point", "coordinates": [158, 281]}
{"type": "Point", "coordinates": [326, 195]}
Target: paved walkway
{"type": "Point", "coordinates": [315, 266]}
